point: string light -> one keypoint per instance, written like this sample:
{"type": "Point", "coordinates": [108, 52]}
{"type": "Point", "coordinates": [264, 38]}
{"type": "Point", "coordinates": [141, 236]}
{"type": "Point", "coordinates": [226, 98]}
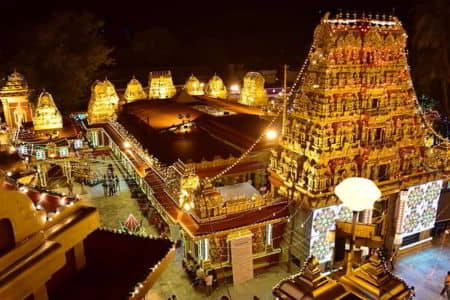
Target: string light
{"type": "Point", "coordinates": [293, 89]}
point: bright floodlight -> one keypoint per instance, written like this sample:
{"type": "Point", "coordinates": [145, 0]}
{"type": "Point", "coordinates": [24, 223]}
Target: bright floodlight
{"type": "Point", "coordinates": [271, 134]}
{"type": "Point", "coordinates": [357, 193]}
{"type": "Point", "coordinates": [235, 88]}
{"type": "Point", "coordinates": [126, 144]}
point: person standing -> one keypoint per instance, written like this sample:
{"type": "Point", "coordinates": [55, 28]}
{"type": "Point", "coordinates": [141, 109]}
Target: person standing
{"type": "Point", "coordinates": [117, 183]}
{"type": "Point", "coordinates": [105, 190]}
{"type": "Point", "coordinates": [412, 294]}
{"type": "Point", "coordinates": [446, 285]}
{"type": "Point", "coordinates": [209, 282]}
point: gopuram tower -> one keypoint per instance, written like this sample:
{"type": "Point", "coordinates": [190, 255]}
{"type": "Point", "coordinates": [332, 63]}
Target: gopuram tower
{"type": "Point", "coordinates": [355, 114]}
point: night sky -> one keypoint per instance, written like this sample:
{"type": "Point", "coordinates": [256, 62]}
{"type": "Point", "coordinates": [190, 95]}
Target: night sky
{"type": "Point", "coordinates": [272, 31]}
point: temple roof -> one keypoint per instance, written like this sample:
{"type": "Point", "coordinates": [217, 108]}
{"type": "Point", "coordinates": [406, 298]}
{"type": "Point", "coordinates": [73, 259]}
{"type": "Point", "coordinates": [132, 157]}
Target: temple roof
{"type": "Point", "coordinates": [46, 101]}
{"type": "Point", "coordinates": [16, 83]}
{"type": "Point", "coordinates": [168, 147]}
{"type": "Point", "coordinates": [117, 265]}
{"type": "Point", "coordinates": [156, 74]}
{"type": "Point", "coordinates": [267, 213]}
{"type": "Point", "coordinates": [254, 76]}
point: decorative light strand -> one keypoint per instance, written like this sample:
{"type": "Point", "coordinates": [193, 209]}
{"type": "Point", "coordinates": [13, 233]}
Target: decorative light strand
{"type": "Point", "coordinates": [247, 152]}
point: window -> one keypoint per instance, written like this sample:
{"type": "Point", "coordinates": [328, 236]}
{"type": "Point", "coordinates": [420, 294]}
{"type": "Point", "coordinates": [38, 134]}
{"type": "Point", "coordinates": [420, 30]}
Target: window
{"type": "Point", "coordinates": [40, 154]}
{"type": "Point", "coordinates": [378, 134]}
{"type": "Point", "coordinates": [383, 172]}
{"type": "Point", "coordinates": [7, 241]}
{"type": "Point", "coordinates": [375, 103]}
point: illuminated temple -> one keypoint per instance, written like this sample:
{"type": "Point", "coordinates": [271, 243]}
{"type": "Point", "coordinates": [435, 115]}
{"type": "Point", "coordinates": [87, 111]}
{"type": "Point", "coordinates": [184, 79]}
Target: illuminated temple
{"type": "Point", "coordinates": [14, 96]}
{"type": "Point", "coordinates": [47, 115]}
{"type": "Point", "coordinates": [253, 92]}
{"type": "Point", "coordinates": [134, 91]}
{"type": "Point", "coordinates": [194, 87]}
{"type": "Point", "coordinates": [355, 115]}
{"type": "Point", "coordinates": [103, 104]}
{"type": "Point", "coordinates": [160, 85]}
{"type": "Point", "coordinates": [216, 88]}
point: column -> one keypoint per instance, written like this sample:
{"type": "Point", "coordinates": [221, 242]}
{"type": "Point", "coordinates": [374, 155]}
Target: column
{"type": "Point", "coordinates": [41, 293]}
{"type": "Point", "coordinates": [80, 257]}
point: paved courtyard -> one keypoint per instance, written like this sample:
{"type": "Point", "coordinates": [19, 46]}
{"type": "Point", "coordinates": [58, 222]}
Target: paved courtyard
{"type": "Point", "coordinates": [174, 281]}
{"type": "Point", "coordinates": [426, 269]}
{"type": "Point", "coordinates": [113, 209]}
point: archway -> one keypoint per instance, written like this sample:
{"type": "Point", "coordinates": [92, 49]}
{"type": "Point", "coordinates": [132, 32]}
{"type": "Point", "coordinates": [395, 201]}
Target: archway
{"type": "Point", "coordinates": [7, 241]}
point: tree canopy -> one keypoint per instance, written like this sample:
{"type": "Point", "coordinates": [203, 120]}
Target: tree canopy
{"type": "Point", "coordinates": [431, 48]}
{"type": "Point", "coordinates": [62, 56]}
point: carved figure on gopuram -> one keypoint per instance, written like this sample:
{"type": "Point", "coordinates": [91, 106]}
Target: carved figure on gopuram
{"type": "Point", "coordinates": [160, 85]}
{"type": "Point", "coordinates": [134, 91]}
{"type": "Point", "coordinates": [104, 102]}
{"type": "Point", "coordinates": [47, 115]}
{"type": "Point", "coordinates": [253, 92]}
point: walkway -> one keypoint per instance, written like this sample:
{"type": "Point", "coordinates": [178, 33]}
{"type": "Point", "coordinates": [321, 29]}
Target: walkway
{"type": "Point", "coordinates": [174, 281]}
{"type": "Point", "coordinates": [114, 209]}
{"type": "Point", "coordinates": [426, 269]}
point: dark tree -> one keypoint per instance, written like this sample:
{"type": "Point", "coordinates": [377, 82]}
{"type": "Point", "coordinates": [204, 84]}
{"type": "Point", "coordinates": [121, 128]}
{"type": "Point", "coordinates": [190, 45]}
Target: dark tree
{"type": "Point", "coordinates": [63, 56]}
{"type": "Point", "coordinates": [431, 45]}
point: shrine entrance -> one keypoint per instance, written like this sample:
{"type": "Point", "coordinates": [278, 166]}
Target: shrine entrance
{"type": "Point", "coordinates": [241, 255]}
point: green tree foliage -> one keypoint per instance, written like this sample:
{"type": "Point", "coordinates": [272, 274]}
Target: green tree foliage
{"type": "Point", "coordinates": [431, 48]}
{"type": "Point", "coordinates": [63, 56]}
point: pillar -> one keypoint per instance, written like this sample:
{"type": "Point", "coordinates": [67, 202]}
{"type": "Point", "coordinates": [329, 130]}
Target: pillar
{"type": "Point", "coordinates": [41, 293]}
{"type": "Point", "coordinates": [80, 257]}
{"type": "Point", "coordinates": [42, 175]}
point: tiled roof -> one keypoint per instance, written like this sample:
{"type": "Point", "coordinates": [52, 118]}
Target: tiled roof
{"type": "Point", "coordinates": [116, 264]}
{"type": "Point", "coordinates": [267, 213]}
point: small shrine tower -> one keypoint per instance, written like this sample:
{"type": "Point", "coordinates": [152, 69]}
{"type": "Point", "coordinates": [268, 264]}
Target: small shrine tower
{"type": "Point", "coordinates": [104, 102]}
{"type": "Point", "coordinates": [253, 92]}
{"type": "Point", "coordinates": [47, 115]}
{"type": "Point", "coordinates": [14, 96]}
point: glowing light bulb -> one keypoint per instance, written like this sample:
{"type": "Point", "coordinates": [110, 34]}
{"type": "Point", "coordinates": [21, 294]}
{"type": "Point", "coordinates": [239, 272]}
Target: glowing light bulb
{"type": "Point", "coordinates": [271, 134]}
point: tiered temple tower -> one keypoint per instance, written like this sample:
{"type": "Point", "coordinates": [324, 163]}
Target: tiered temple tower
{"type": "Point", "coordinates": [194, 87]}
{"type": "Point", "coordinates": [14, 97]}
{"type": "Point", "coordinates": [160, 85]}
{"type": "Point", "coordinates": [47, 115]}
{"type": "Point", "coordinates": [354, 115]}
{"type": "Point", "coordinates": [134, 91]}
{"type": "Point", "coordinates": [253, 92]}
{"type": "Point", "coordinates": [215, 88]}
{"type": "Point", "coordinates": [104, 102]}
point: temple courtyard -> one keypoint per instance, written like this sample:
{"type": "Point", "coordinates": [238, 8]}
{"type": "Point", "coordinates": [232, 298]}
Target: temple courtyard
{"type": "Point", "coordinates": [425, 270]}
{"type": "Point", "coordinates": [113, 209]}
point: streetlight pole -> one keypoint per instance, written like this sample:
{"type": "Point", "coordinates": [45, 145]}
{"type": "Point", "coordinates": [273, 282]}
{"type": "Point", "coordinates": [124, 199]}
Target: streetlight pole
{"type": "Point", "coordinates": [285, 100]}
{"type": "Point", "coordinates": [357, 194]}
{"type": "Point", "coordinates": [352, 242]}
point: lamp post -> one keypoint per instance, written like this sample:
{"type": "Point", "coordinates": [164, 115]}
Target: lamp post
{"type": "Point", "coordinates": [357, 194]}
